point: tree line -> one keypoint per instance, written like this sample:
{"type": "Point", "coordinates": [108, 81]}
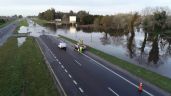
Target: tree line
{"type": "Point", "coordinates": [83, 17]}
{"type": "Point", "coordinates": [149, 18]}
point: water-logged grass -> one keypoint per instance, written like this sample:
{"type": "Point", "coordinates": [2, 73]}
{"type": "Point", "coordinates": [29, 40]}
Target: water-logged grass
{"type": "Point", "coordinates": [40, 21]}
{"type": "Point", "coordinates": [23, 22]}
{"type": "Point", "coordinates": [23, 71]}
{"type": "Point", "coordinates": [154, 78]}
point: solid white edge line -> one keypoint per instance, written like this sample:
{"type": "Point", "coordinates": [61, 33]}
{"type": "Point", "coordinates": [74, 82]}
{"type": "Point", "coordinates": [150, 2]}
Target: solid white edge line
{"type": "Point", "coordinates": [117, 74]}
{"type": "Point", "coordinates": [81, 90]}
{"type": "Point", "coordinates": [113, 91]}
{"type": "Point", "coordinates": [52, 69]}
{"type": "Point", "coordinates": [78, 62]}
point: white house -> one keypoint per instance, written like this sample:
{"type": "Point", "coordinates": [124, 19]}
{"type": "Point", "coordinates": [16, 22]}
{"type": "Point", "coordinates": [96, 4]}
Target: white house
{"type": "Point", "coordinates": [72, 19]}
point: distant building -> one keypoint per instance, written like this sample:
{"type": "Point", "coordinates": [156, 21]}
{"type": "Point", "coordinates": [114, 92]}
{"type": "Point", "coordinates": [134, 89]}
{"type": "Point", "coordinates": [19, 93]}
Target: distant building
{"type": "Point", "coordinates": [72, 19]}
{"type": "Point", "coordinates": [58, 21]}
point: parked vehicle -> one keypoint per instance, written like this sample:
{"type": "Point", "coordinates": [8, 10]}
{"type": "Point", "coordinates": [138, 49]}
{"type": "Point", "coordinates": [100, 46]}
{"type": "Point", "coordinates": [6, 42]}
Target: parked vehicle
{"type": "Point", "coordinates": [80, 44]}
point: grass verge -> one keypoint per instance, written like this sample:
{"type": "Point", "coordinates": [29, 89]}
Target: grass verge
{"type": "Point", "coordinates": [23, 71]}
{"type": "Point", "coordinates": [40, 21]}
{"type": "Point", "coordinates": [23, 22]}
{"type": "Point", "coordinates": [5, 24]}
{"type": "Point", "coordinates": [154, 78]}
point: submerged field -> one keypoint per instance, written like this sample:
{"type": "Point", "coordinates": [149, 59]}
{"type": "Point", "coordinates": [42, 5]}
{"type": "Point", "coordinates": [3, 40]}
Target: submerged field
{"type": "Point", "coordinates": [23, 71]}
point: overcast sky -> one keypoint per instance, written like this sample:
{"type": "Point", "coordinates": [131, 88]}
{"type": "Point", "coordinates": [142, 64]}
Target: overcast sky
{"type": "Point", "coordinates": [33, 7]}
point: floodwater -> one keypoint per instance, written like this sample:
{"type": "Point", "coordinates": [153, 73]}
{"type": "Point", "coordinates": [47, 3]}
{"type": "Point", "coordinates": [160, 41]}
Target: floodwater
{"type": "Point", "coordinates": [145, 49]}
{"type": "Point", "coordinates": [21, 40]}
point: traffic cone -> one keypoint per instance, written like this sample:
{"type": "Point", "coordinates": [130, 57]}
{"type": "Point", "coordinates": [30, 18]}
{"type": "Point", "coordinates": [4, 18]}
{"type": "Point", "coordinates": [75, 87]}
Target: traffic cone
{"type": "Point", "coordinates": [140, 88]}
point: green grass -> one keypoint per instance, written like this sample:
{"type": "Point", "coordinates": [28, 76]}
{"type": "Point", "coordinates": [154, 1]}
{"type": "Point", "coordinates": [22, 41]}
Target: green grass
{"type": "Point", "coordinates": [23, 71]}
{"type": "Point", "coordinates": [5, 24]}
{"type": "Point", "coordinates": [40, 21]}
{"type": "Point", "coordinates": [23, 22]}
{"type": "Point", "coordinates": [154, 78]}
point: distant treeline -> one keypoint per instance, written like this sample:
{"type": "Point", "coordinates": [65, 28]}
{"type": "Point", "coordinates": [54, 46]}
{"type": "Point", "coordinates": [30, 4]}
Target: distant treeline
{"type": "Point", "coordinates": [4, 19]}
{"type": "Point", "coordinates": [150, 19]}
{"type": "Point", "coordinates": [83, 17]}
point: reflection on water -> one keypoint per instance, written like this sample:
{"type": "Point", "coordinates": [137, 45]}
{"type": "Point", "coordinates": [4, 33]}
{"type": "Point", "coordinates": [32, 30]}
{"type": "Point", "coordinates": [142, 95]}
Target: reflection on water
{"type": "Point", "coordinates": [149, 50]}
{"type": "Point", "coordinates": [21, 41]}
{"type": "Point", "coordinates": [23, 29]}
{"type": "Point", "coordinates": [131, 45]}
{"type": "Point", "coordinates": [72, 29]}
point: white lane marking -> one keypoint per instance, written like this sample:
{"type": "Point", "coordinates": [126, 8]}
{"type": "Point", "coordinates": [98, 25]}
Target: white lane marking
{"type": "Point", "coordinates": [49, 66]}
{"type": "Point", "coordinates": [113, 91]}
{"type": "Point", "coordinates": [78, 62]}
{"type": "Point", "coordinates": [57, 60]}
{"type": "Point", "coordinates": [66, 71]}
{"type": "Point", "coordinates": [62, 66]}
{"type": "Point", "coordinates": [60, 63]}
{"type": "Point", "coordinates": [81, 90]}
{"type": "Point", "coordinates": [52, 53]}
{"type": "Point", "coordinates": [69, 76]}
{"type": "Point", "coordinates": [117, 74]}
{"type": "Point", "coordinates": [75, 82]}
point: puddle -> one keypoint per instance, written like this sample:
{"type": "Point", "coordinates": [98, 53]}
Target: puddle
{"type": "Point", "coordinates": [21, 41]}
{"type": "Point", "coordinates": [23, 29]}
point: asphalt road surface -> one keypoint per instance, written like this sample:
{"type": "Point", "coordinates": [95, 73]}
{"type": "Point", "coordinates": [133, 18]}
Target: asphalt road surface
{"type": "Point", "coordinates": [81, 75]}
{"type": "Point", "coordinates": [7, 31]}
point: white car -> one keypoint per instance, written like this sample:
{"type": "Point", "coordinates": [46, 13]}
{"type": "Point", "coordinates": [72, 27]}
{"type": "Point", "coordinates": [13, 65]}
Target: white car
{"type": "Point", "coordinates": [62, 45]}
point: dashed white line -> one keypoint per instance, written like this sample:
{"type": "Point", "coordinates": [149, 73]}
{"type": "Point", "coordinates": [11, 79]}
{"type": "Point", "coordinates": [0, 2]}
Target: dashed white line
{"type": "Point", "coordinates": [62, 66]}
{"type": "Point", "coordinates": [60, 63]}
{"type": "Point", "coordinates": [75, 82]}
{"type": "Point", "coordinates": [49, 66]}
{"type": "Point", "coordinates": [69, 76]}
{"type": "Point", "coordinates": [78, 62]}
{"type": "Point", "coordinates": [113, 91]}
{"type": "Point", "coordinates": [66, 71]}
{"type": "Point", "coordinates": [117, 74]}
{"type": "Point", "coordinates": [81, 90]}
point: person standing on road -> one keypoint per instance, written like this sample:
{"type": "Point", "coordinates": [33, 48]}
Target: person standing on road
{"type": "Point", "coordinates": [81, 49]}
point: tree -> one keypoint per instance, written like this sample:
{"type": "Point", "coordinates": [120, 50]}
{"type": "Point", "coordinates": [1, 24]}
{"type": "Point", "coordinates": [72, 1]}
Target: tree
{"type": "Point", "coordinates": [48, 14]}
{"type": "Point", "coordinates": [96, 22]}
{"type": "Point", "coordinates": [71, 13]}
{"type": "Point", "coordinates": [106, 21]}
{"type": "Point", "coordinates": [160, 20]}
{"type": "Point", "coordinates": [133, 19]}
{"type": "Point", "coordinates": [20, 16]}
{"type": "Point", "coordinates": [81, 15]}
{"type": "Point", "coordinates": [89, 19]}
